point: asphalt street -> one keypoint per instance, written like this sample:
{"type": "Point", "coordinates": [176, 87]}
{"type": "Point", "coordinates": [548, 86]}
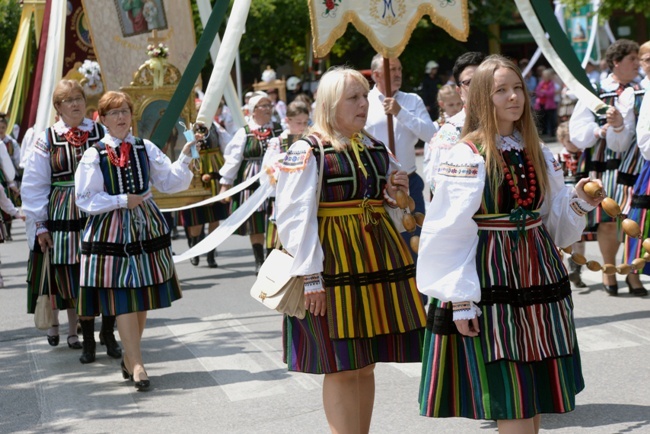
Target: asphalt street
{"type": "Point", "coordinates": [215, 363]}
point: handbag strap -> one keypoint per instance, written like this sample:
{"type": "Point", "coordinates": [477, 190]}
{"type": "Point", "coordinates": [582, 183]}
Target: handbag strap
{"type": "Point", "coordinates": [46, 273]}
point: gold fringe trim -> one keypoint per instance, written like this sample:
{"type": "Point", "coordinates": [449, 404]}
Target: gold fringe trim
{"type": "Point", "coordinates": [388, 52]}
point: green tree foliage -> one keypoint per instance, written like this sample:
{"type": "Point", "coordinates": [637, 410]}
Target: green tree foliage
{"type": "Point", "coordinates": [607, 7]}
{"type": "Point", "coordinates": [9, 20]}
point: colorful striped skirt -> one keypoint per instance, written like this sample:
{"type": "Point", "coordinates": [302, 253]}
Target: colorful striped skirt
{"type": "Point", "coordinates": [374, 312]}
{"type": "Point", "coordinates": [126, 262]}
{"type": "Point", "coordinates": [64, 282]}
{"type": "Point", "coordinates": [458, 381]}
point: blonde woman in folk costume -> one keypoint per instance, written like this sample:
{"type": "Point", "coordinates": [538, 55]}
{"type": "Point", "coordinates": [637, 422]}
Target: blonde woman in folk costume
{"type": "Point", "coordinates": [362, 304]}
{"type": "Point", "coordinates": [500, 341]}
{"type": "Point", "coordinates": [126, 257]}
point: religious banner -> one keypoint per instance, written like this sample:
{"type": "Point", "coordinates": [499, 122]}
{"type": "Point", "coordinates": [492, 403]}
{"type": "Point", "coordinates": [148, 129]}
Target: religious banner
{"type": "Point", "coordinates": [122, 29]}
{"type": "Point", "coordinates": [577, 28]}
{"type": "Point", "coordinates": [78, 45]}
{"type": "Point", "coordinates": [387, 24]}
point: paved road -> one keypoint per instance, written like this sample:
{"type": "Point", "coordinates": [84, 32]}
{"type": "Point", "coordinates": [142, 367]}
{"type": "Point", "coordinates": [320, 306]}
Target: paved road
{"type": "Point", "coordinates": [215, 362]}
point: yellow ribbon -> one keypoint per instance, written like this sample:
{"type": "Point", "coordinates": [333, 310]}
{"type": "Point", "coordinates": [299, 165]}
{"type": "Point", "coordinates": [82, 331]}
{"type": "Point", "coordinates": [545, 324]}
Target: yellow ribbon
{"type": "Point", "coordinates": [357, 145]}
{"type": "Point", "coordinates": [368, 212]}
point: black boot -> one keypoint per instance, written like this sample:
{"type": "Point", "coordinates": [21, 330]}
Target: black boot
{"type": "Point", "coordinates": [258, 252]}
{"type": "Point", "coordinates": [191, 241]}
{"type": "Point", "coordinates": [88, 330]}
{"type": "Point", "coordinates": [574, 275]}
{"type": "Point", "coordinates": [107, 337]}
{"type": "Point", "coordinates": [211, 262]}
{"type": "Point", "coordinates": [8, 228]}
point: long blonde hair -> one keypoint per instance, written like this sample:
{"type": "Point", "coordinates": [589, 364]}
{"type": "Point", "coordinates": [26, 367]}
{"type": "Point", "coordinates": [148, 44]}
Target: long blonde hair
{"type": "Point", "coordinates": [330, 92]}
{"type": "Point", "coordinates": [481, 126]}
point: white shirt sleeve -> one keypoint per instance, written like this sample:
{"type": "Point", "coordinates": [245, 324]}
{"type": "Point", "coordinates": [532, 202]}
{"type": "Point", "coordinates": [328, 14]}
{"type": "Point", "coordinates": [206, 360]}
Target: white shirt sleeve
{"type": "Point", "coordinates": [233, 156]}
{"type": "Point", "coordinates": [643, 129]}
{"type": "Point", "coordinates": [166, 176]}
{"type": "Point", "coordinates": [6, 205]}
{"type": "Point", "coordinates": [446, 267]}
{"type": "Point", "coordinates": [296, 206]}
{"type": "Point", "coordinates": [621, 141]}
{"type": "Point", "coordinates": [7, 164]}
{"type": "Point", "coordinates": [563, 213]}
{"type": "Point", "coordinates": [582, 127]}
{"type": "Point", "coordinates": [417, 119]}
{"type": "Point", "coordinates": [37, 182]}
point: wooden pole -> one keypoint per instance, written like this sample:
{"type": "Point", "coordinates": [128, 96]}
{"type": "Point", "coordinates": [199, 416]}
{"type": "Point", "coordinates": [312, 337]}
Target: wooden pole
{"type": "Point", "coordinates": [389, 94]}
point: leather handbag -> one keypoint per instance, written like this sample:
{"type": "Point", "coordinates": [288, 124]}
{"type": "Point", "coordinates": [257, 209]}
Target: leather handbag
{"type": "Point", "coordinates": [274, 287]}
{"type": "Point", "coordinates": [43, 312]}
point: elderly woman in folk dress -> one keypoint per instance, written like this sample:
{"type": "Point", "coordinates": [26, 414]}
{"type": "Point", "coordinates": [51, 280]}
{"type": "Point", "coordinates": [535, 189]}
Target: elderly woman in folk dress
{"type": "Point", "coordinates": [54, 222]}
{"type": "Point", "coordinates": [363, 307]}
{"type": "Point", "coordinates": [126, 257]}
{"type": "Point", "coordinates": [243, 160]}
{"type": "Point", "coordinates": [500, 342]}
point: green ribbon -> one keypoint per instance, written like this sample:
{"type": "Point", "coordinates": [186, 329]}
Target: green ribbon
{"type": "Point", "coordinates": [518, 216]}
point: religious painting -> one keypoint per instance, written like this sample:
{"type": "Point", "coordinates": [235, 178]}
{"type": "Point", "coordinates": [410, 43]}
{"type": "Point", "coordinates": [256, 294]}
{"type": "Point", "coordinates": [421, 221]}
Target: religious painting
{"type": "Point", "coordinates": [148, 122]}
{"type": "Point", "coordinates": [140, 16]}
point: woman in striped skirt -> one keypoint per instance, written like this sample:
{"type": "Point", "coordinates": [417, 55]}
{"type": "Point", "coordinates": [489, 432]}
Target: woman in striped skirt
{"type": "Point", "coordinates": [244, 156]}
{"type": "Point", "coordinates": [610, 151]}
{"type": "Point", "coordinates": [54, 222]}
{"type": "Point", "coordinates": [362, 304]}
{"type": "Point", "coordinates": [126, 256]}
{"type": "Point", "coordinates": [641, 198]}
{"type": "Point", "coordinates": [500, 341]}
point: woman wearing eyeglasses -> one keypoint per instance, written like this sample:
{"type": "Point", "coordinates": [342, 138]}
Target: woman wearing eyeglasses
{"type": "Point", "coordinates": [54, 222]}
{"type": "Point", "coordinates": [126, 256]}
{"type": "Point", "coordinates": [243, 158]}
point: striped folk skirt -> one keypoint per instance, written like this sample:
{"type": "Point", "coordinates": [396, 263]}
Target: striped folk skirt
{"type": "Point", "coordinates": [374, 312]}
{"type": "Point", "coordinates": [63, 282]}
{"type": "Point", "coordinates": [458, 381]}
{"type": "Point", "coordinates": [639, 213]}
{"type": "Point", "coordinates": [126, 262]}
{"type": "Point", "coordinates": [525, 360]}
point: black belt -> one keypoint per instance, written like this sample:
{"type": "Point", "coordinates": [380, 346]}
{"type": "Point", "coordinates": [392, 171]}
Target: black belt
{"type": "Point", "coordinates": [66, 225]}
{"type": "Point", "coordinates": [641, 201]}
{"type": "Point", "coordinates": [124, 250]}
{"type": "Point", "coordinates": [526, 296]}
{"type": "Point", "coordinates": [602, 166]}
{"type": "Point", "coordinates": [626, 179]}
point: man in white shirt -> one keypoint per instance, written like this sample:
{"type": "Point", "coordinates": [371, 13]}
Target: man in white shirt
{"type": "Point", "coordinates": [411, 121]}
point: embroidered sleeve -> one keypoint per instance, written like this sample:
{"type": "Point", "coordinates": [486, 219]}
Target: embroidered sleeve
{"type": "Point", "coordinates": [314, 283]}
{"type": "Point", "coordinates": [296, 159]}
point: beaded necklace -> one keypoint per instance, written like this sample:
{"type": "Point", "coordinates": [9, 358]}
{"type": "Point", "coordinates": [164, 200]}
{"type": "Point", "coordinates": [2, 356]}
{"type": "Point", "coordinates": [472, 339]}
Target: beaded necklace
{"type": "Point", "coordinates": [76, 137]}
{"type": "Point", "coordinates": [262, 134]}
{"type": "Point", "coordinates": [123, 159]}
{"type": "Point", "coordinates": [526, 194]}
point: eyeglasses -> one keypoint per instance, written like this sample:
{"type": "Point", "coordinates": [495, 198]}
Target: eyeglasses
{"type": "Point", "coordinates": [466, 82]}
{"type": "Point", "coordinates": [72, 101]}
{"type": "Point", "coordinates": [264, 106]}
{"type": "Point", "coordinates": [645, 60]}
{"type": "Point", "coordinates": [116, 113]}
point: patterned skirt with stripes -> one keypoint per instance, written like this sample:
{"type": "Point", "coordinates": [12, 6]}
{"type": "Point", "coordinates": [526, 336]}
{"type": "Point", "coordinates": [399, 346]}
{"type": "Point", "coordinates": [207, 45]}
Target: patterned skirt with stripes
{"type": "Point", "coordinates": [65, 225]}
{"type": "Point", "coordinates": [256, 224]}
{"type": "Point", "coordinates": [639, 213]}
{"type": "Point", "coordinates": [525, 360]}
{"type": "Point", "coordinates": [374, 312]}
{"type": "Point", "coordinates": [126, 262]}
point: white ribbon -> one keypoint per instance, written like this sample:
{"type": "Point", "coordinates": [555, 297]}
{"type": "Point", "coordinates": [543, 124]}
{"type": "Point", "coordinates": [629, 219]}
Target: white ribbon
{"type": "Point", "coordinates": [229, 225]}
{"type": "Point", "coordinates": [226, 194]}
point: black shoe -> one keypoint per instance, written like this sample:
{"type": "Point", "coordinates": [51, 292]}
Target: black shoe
{"type": "Point", "coordinates": [125, 372]}
{"type": "Point", "coordinates": [211, 262]}
{"type": "Point", "coordinates": [192, 241]}
{"type": "Point", "coordinates": [112, 348]}
{"type": "Point", "coordinates": [574, 276]}
{"type": "Point", "coordinates": [637, 292]}
{"type": "Point", "coordinates": [88, 354]}
{"type": "Point", "coordinates": [142, 385]}
{"type": "Point", "coordinates": [53, 340]}
{"type": "Point", "coordinates": [611, 289]}
{"type": "Point", "coordinates": [76, 345]}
